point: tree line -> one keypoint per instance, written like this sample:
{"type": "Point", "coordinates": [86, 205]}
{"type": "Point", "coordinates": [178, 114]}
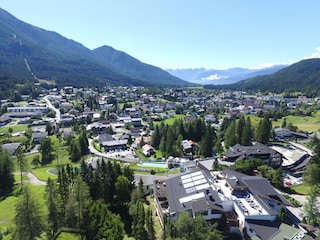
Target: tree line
{"type": "Point", "coordinates": [168, 138]}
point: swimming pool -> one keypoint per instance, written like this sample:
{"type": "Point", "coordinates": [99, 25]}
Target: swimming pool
{"type": "Point", "coordinates": [153, 164]}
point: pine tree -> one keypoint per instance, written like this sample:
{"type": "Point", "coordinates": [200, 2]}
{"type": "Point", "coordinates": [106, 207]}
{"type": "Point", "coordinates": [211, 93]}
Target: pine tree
{"type": "Point", "coordinates": [123, 190]}
{"type": "Point", "coordinates": [102, 224]}
{"type": "Point", "coordinates": [155, 138]}
{"type": "Point", "coordinates": [263, 133]}
{"type": "Point", "coordinates": [230, 135]}
{"type": "Point", "coordinates": [83, 143]}
{"type": "Point", "coordinates": [6, 173]}
{"type": "Point", "coordinates": [82, 201]}
{"type": "Point", "coordinates": [22, 164]}
{"type": "Point", "coordinates": [139, 221]}
{"type": "Point", "coordinates": [53, 207]}
{"type": "Point", "coordinates": [150, 224]}
{"type": "Point", "coordinates": [46, 151]}
{"type": "Point", "coordinates": [29, 220]}
{"type": "Point", "coordinates": [246, 133]}
{"type": "Point", "coordinates": [239, 129]}
{"type": "Point", "coordinates": [75, 152]}
{"type": "Point", "coordinates": [311, 208]}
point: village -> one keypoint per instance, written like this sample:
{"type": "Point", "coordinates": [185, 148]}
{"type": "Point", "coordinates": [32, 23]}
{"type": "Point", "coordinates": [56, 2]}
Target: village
{"type": "Point", "coordinates": [120, 122]}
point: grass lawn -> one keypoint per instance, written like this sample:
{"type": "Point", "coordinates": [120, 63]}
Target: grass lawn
{"type": "Point", "coordinates": [15, 128]}
{"type": "Point", "coordinates": [17, 178]}
{"type": "Point", "coordinates": [7, 209]}
{"type": "Point", "coordinates": [8, 205]}
{"type": "Point", "coordinates": [170, 121]}
{"type": "Point", "coordinates": [69, 236]}
{"type": "Point", "coordinates": [157, 226]}
{"type": "Point", "coordinates": [30, 156]}
{"type": "Point", "coordinates": [308, 123]}
{"type": "Point", "coordinates": [301, 189]}
{"type": "Point", "coordinates": [42, 173]}
{"type": "Point", "coordinates": [97, 146]}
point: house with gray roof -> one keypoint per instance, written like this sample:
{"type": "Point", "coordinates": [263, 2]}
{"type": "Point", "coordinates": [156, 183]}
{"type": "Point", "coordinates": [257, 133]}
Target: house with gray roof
{"type": "Point", "coordinates": [110, 144]}
{"type": "Point", "coordinates": [11, 147]}
{"type": "Point", "coordinates": [247, 205]}
{"type": "Point", "coordinates": [268, 155]}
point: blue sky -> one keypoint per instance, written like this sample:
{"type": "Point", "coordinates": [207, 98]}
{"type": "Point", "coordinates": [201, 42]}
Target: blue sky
{"type": "Point", "coordinates": [185, 34]}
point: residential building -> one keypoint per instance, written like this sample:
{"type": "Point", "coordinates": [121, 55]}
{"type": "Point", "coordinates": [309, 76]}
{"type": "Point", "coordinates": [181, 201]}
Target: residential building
{"type": "Point", "coordinates": [148, 150]}
{"type": "Point", "coordinates": [4, 120]}
{"type": "Point", "coordinates": [268, 156]}
{"type": "Point", "coordinates": [11, 147]}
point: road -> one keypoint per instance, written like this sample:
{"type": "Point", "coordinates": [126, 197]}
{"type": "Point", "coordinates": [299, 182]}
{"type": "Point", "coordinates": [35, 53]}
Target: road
{"type": "Point", "coordinates": [125, 156]}
{"type": "Point", "coordinates": [57, 111]}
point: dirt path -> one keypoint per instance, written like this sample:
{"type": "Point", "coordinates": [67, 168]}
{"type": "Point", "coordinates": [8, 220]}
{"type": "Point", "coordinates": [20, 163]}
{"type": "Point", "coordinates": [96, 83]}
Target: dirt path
{"type": "Point", "coordinates": [32, 179]}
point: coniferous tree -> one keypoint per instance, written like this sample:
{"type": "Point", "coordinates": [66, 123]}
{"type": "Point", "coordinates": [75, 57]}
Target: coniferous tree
{"type": "Point", "coordinates": [142, 143]}
{"type": "Point", "coordinates": [239, 129]}
{"type": "Point", "coordinates": [139, 221]}
{"type": "Point", "coordinates": [311, 174]}
{"type": "Point", "coordinates": [218, 146]}
{"type": "Point", "coordinates": [230, 135]}
{"type": "Point", "coordinates": [83, 143]}
{"type": "Point", "coordinates": [264, 128]}
{"type": "Point", "coordinates": [246, 133]}
{"type": "Point", "coordinates": [311, 208]}
{"type": "Point", "coordinates": [206, 143]}
{"type": "Point", "coordinates": [177, 148]}
{"type": "Point", "coordinates": [103, 224]}
{"type": "Point", "coordinates": [75, 152]}
{"type": "Point", "coordinates": [150, 225]}
{"type": "Point", "coordinates": [170, 139]}
{"type": "Point", "coordinates": [155, 138]}
{"type": "Point", "coordinates": [6, 173]}
{"type": "Point", "coordinates": [82, 200]}
{"type": "Point", "coordinates": [123, 190]}
{"type": "Point", "coordinates": [53, 207]}
{"type": "Point", "coordinates": [46, 150]}
{"type": "Point", "coordinates": [29, 220]}
{"type": "Point", "coordinates": [21, 163]}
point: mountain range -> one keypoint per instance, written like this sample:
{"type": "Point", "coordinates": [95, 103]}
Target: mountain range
{"type": "Point", "coordinates": [223, 76]}
{"type": "Point", "coordinates": [30, 53]}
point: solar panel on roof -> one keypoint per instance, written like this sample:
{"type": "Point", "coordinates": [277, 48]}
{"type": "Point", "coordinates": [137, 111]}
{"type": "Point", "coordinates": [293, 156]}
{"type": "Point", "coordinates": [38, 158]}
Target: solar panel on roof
{"type": "Point", "coordinates": [203, 186]}
{"type": "Point", "coordinates": [195, 174]}
{"type": "Point", "coordinates": [197, 177]}
{"type": "Point", "coordinates": [184, 181]}
{"type": "Point", "coordinates": [187, 185]}
{"type": "Point", "coordinates": [200, 181]}
{"type": "Point", "coordinates": [191, 197]}
{"type": "Point", "coordinates": [185, 176]}
{"type": "Point", "coordinates": [190, 190]}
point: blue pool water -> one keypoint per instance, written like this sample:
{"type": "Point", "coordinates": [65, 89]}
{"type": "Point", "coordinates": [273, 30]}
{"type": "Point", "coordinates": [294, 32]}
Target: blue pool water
{"type": "Point", "coordinates": [153, 164]}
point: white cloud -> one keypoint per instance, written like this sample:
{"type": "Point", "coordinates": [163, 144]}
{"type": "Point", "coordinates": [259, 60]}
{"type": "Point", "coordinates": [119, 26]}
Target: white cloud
{"type": "Point", "coordinates": [213, 77]}
{"type": "Point", "coordinates": [315, 54]}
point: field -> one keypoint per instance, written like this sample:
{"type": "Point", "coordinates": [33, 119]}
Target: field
{"type": "Point", "coordinates": [170, 121]}
{"type": "Point", "coordinates": [308, 123]}
{"type": "Point", "coordinates": [304, 123]}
